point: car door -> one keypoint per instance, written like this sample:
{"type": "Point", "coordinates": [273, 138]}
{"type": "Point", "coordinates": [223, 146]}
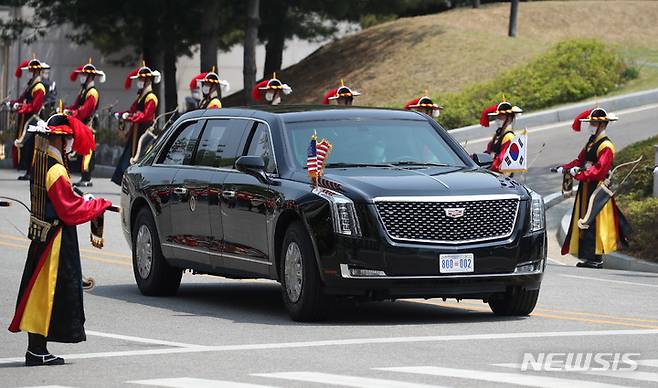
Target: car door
{"type": "Point", "coordinates": [218, 148]}
{"type": "Point", "coordinates": [247, 206]}
{"type": "Point", "coordinates": [185, 234]}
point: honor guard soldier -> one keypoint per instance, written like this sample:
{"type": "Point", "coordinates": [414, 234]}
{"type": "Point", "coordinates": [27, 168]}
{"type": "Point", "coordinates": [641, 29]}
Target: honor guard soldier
{"type": "Point", "coordinates": [271, 90]}
{"type": "Point", "coordinates": [49, 306]}
{"type": "Point", "coordinates": [424, 105]}
{"type": "Point", "coordinates": [84, 109]}
{"type": "Point", "coordinates": [212, 89]}
{"type": "Point", "coordinates": [591, 168]}
{"type": "Point", "coordinates": [342, 95]}
{"type": "Point", "coordinates": [139, 117]}
{"type": "Point", "coordinates": [28, 107]}
{"type": "Point", "coordinates": [502, 116]}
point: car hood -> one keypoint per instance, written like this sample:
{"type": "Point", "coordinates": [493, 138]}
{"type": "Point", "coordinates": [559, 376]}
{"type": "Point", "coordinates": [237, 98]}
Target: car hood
{"type": "Point", "coordinates": [365, 183]}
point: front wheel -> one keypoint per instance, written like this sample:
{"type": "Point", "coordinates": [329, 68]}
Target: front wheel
{"type": "Point", "coordinates": [301, 285]}
{"type": "Point", "coordinates": [154, 276]}
{"type": "Point", "coordinates": [516, 302]}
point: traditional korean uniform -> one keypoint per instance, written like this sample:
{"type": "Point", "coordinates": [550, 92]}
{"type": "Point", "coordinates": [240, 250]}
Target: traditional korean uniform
{"type": "Point", "coordinates": [50, 303]}
{"type": "Point", "coordinates": [140, 116]}
{"type": "Point", "coordinates": [271, 90]}
{"type": "Point", "coordinates": [504, 115]}
{"type": "Point", "coordinates": [610, 231]}
{"type": "Point", "coordinates": [341, 95]}
{"type": "Point", "coordinates": [425, 105]}
{"type": "Point", "coordinates": [84, 109]}
{"type": "Point", "coordinates": [212, 89]}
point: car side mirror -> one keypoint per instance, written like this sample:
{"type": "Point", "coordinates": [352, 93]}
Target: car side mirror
{"type": "Point", "coordinates": [254, 166]}
{"type": "Point", "coordinates": [482, 160]}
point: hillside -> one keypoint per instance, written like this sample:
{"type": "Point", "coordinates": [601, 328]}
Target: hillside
{"type": "Point", "coordinates": [392, 62]}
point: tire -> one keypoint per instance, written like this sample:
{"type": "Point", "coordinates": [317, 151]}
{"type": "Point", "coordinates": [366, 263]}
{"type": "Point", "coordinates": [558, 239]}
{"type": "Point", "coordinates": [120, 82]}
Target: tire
{"type": "Point", "coordinates": [519, 302]}
{"type": "Point", "coordinates": [158, 278]}
{"type": "Point", "coordinates": [307, 303]}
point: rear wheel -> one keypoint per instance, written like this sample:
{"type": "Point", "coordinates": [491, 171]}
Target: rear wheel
{"type": "Point", "coordinates": [154, 276]}
{"type": "Point", "coordinates": [301, 285]}
{"type": "Point", "coordinates": [516, 302]}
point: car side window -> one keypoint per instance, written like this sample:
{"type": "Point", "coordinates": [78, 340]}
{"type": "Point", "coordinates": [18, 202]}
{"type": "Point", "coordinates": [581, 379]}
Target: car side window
{"type": "Point", "coordinates": [261, 145]}
{"type": "Point", "coordinates": [181, 147]}
{"type": "Point", "coordinates": [220, 143]}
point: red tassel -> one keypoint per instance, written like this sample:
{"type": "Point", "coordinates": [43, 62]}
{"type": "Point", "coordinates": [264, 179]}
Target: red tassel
{"type": "Point", "coordinates": [128, 81]}
{"type": "Point", "coordinates": [19, 72]}
{"type": "Point", "coordinates": [193, 83]}
{"type": "Point", "coordinates": [74, 73]}
{"type": "Point", "coordinates": [412, 102]}
{"type": "Point", "coordinates": [484, 119]}
{"type": "Point", "coordinates": [576, 122]}
{"type": "Point", "coordinates": [331, 93]}
{"type": "Point", "coordinates": [256, 93]}
{"type": "Point", "coordinates": [83, 138]}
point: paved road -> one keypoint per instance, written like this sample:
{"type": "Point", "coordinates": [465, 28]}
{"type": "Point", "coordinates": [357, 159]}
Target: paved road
{"type": "Point", "coordinates": [219, 332]}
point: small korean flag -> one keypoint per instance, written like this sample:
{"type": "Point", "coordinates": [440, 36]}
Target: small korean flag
{"type": "Point", "coordinates": [516, 156]}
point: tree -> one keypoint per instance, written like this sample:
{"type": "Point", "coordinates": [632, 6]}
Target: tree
{"type": "Point", "coordinates": [209, 27]}
{"type": "Point", "coordinates": [250, 41]}
{"type": "Point", "coordinates": [476, 3]}
{"type": "Point", "coordinates": [513, 16]}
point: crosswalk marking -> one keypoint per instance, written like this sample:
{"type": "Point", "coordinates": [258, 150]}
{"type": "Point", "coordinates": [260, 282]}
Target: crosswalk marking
{"type": "Point", "coordinates": [346, 381]}
{"type": "Point", "coordinates": [630, 375]}
{"type": "Point", "coordinates": [498, 377]}
{"type": "Point", "coordinates": [188, 382]}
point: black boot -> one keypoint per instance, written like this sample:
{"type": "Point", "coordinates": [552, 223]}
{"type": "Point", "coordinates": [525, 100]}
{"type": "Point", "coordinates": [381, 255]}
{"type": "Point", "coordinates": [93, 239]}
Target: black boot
{"type": "Point", "coordinates": [25, 177]}
{"type": "Point", "coordinates": [590, 264]}
{"type": "Point", "coordinates": [83, 183]}
{"type": "Point", "coordinates": [37, 353]}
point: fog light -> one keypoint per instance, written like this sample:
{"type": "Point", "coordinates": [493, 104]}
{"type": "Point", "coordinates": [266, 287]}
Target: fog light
{"type": "Point", "coordinates": [529, 267]}
{"type": "Point", "coordinates": [352, 272]}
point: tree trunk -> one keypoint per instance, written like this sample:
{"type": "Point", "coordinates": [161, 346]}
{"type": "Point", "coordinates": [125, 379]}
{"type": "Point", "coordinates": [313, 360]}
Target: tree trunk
{"type": "Point", "coordinates": [250, 41]}
{"type": "Point", "coordinates": [476, 3]}
{"type": "Point", "coordinates": [151, 42]}
{"type": "Point", "coordinates": [209, 36]}
{"type": "Point", "coordinates": [276, 38]}
{"type": "Point", "coordinates": [513, 15]}
{"type": "Point", "coordinates": [169, 44]}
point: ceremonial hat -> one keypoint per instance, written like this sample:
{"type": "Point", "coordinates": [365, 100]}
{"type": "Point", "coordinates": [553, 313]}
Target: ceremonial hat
{"type": "Point", "coordinates": [142, 72]}
{"type": "Point", "coordinates": [341, 91]}
{"type": "Point", "coordinates": [424, 102]}
{"type": "Point", "coordinates": [596, 115]}
{"type": "Point", "coordinates": [270, 85]}
{"type": "Point", "coordinates": [63, 124]}
{"type": "Point", "coordinates": [502, 107]}
{"type": "Point", "coordinates": [212, 78]}
{"type": "Point", "coordinates": [87, 69]}
{"type": "Point", "coordinates": [31, 65]}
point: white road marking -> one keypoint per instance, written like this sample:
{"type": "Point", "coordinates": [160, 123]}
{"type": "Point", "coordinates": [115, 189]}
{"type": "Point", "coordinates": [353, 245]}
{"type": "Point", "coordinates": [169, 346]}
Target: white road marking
{"type": "Point", "coordinates": [353, 341]}
{"type": "Point", "coordinates": [189, 382]}
{"type": "Point", "coordinates": [553, 261]}
{"type": "Point", "coordinates": [498, 377]}
{"type": "Point", "coordinates": [140, 339]}
{"type": "Point", "coordinates": [346, 381]}
{"type": "Point", "coordinates": [629, 375]}
{"type": "Point", "coordinates": [653, 363]}
{"type": "Point", "coordinates": [47, 386]}
{"type": "Point", "coordinates": [610, 281]}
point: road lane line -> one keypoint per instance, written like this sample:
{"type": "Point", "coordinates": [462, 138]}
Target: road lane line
{"type": "Point", "coordinates": [189, 382]}
{"type": "Point", "coordinates": [343, 380]}
{"type": "Point", "coordinates": [86, 257]}
{"type": "Point", "coordinates": [628, 375]}
{"type": "Point", "coordinates": [652, 363]}
{"type": "Point", "coordinates": [140, 339]}
{"type": "Point", "coordinates": [610, 281]}
{"type": "Point", "coordinates": [498, 377]}
{"type": "Point", "coordinates": [354, 341]}
{"type": "Point", "coordinates": [94, 251]}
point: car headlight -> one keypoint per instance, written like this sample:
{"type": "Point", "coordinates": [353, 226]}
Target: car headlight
{"type": "Point", "coordinates": [537, 212]}
{"type": "Point", "coordinates": [343, 212]}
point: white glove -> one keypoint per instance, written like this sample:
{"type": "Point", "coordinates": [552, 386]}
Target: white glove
{"type": "Point", "coordinates": [574, 171]}
{"type": "Point", "coordinates": [559, 170]}
{"type": "Point", "coordinates": [17, 143]}
{"type": "Point", "coordinates": [88, 197]}
{"type": "Point", "coordinates": [125, 115]}
{"type": "Point", "coordinates": [16, 106]}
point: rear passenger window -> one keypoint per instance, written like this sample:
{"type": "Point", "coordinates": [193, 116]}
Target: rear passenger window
{"type": "Point", "coordinates": [260, 145]}
{"type": "Point", "coordinates": [220, 142]}
{"type": "Point", "coordinates": [181, 148]}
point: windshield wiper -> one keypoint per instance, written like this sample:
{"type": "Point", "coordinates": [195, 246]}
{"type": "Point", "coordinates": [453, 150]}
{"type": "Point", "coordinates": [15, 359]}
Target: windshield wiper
{"type": "Point", "coordinates": [413, 163]}
{"type": "Point", "coordinates": [343, 164]}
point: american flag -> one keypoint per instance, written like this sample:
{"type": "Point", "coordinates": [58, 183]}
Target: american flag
{"type": "Point", "coordinates": [323, 148]}
{"type": "Point", "coordinates": [312, 158]}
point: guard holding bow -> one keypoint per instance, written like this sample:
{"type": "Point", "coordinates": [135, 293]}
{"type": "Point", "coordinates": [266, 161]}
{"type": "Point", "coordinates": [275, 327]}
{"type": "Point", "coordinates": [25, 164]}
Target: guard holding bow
{"type": "Point", "coordinates": [50, 307]}
{"type": "Point", "coordinates": [609, 230]}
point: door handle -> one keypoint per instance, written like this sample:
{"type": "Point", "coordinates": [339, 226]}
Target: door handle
{"type": "Point", "coordinates": [180, 191]}
{"type": "Point", "coordinates": [228, 194]}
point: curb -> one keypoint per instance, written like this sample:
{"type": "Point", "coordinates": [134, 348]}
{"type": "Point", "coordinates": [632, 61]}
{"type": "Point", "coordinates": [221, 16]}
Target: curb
{"type": "Point", "coordinates": [613, 260]}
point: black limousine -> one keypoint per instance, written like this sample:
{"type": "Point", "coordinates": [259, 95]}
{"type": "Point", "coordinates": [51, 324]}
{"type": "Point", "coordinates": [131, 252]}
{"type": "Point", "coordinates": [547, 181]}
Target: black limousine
{"type": "Point", "coordinates": [402, 211]}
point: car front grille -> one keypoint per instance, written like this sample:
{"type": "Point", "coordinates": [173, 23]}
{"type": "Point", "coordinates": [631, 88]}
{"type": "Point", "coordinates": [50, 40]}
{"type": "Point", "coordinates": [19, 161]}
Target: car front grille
{"type": "Point", "coordinates": [448, 221]}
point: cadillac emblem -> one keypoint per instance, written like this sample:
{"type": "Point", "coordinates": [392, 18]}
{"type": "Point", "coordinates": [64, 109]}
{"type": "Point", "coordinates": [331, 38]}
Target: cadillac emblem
{"type": "Point", "coordinates": [456, 212]}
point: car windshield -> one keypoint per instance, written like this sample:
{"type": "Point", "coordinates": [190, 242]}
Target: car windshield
{"type": "Point", "coordinates": [374, 143]}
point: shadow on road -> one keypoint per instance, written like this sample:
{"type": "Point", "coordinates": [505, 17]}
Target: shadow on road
{"type": "Point", "coordinates": [261, 303]}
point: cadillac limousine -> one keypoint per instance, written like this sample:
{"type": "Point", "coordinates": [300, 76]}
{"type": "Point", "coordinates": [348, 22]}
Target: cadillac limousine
{"type": "Point", "coordinates": [401, 211]}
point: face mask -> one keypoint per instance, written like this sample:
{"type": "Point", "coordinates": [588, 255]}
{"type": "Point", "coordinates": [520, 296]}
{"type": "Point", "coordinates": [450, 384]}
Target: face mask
{"type": "Point", "coordinates": [593, 129]}
{"type": "Point", "coordinates": [269, 96]}
{"type": "Point", "coordinates": [277, 100]}
{"type": "Point", "coordinates": [196, 94]}
{"type": "Point", "coordinates": [140, 84]}
{"type": "Point", "coordinates": [499, 123]}
{"type": "Point", "coordinates": [83, 80]}
{"type": "Point", "coordinates": [205, 89]}
{"type": "Point", "coordinates": [436, 113]}
{"type": "Point", "coordinates": [45, 74]}
{"type": "Point", "coordinates": [68, 146]}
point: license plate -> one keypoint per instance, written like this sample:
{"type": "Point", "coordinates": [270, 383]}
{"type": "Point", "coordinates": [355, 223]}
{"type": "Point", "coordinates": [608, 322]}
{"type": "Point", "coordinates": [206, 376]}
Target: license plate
{"type": "Point", "coordinates": [456, 263]}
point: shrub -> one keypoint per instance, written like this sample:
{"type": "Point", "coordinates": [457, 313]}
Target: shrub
{"type": "Point", "coordinates": [642, 214]}
{"type": "Point", "coordinates": [570, 71]}
{"type": "Point", "coordinates": [640, 183]}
